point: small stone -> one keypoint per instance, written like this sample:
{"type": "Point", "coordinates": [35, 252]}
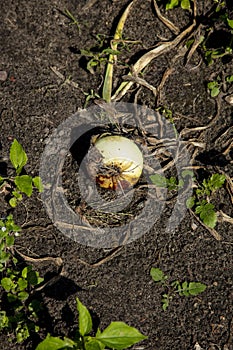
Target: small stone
{"type": "Point", "coordinates": [3, 75]}
{"type": "Point", "coordinates": [229, 99]}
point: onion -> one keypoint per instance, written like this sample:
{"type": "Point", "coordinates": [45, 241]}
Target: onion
{"type": "Point", "coordinates": [121, 164]}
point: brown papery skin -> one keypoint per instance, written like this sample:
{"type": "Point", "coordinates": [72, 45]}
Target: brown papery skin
{"type": "Point", "coordinates": [113, 182]}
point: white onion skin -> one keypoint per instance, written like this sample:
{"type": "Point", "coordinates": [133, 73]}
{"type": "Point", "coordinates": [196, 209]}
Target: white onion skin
{"type": "Point", "coordinates": [124, 156]}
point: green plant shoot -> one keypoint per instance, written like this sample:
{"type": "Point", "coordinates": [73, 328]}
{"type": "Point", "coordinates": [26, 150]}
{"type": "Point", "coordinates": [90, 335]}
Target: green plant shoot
{"type": "Point", "coordinates": [107, 88]}
{"type": "Point", "coordinates": [183, 289]}
{"type": "Point", "coordinates": [117, 335]}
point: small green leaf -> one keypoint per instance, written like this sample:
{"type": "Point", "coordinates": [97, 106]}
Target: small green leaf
{"type": "Point", "coordinates": [111, 51]}
{"type": "Point", "coordinates": [184, 289]}
{"type": "Point", "coordinates": [180, 183]}
{"type": "Point", "coordinates": [171, 4]}
{"type": "Point", "coordinates": [159, 180]}
{"type": "Point", "coordinates": [185, 4]}
{"type": "Point", "coordinates": [55, 343]}
{"type": "Point", "coordinates": [17, 195]}
{"type": "Point", "coordinates": [10, 241]}
{"type": "Point", "coordinates": [214, 92]}
{"type": "Point", "coordinates": [12, 297]}
{"type": "Point", "coordinates": [23, 296]}
{"type": "Point", "coordinates": [196, 288]}
{"type": "Point", "coordinates": [230, 23]}
{"type": "Point", "coordinates": [157, 274]}
{"type": "Point", "coordinates": [207, 214]}
{"type": "Point", "coordinates": [22, 333]}
{"type": "Point", "coordinates": [22, 284]}
{"type": "Point", "coordinates": [211, 85]}
{"type": "Point", "coordinates": [172, 183]}
{"type": "Point", "coordinates": [186, 173]}
{"type": "Point", "coordinates": [31, 276]}
{"type": "Point", "coordinates": [165, 302]}
{"type": "Point", "coordinates": [38, 183]}
{"type": "Point", "coordinates": [11, 226]}
{"type": "Point", "coordinates": [4, 320]}
{"type": "Point", "coordinates": [24, 184]}
{"type": "Point", "coordinates": [190, 202]}
{"type": "Point", "coordinates": [216, 181]}
{"type": "Point", "coordinates": [85, 321]}
{"type": "Point", "coordinates": [119, 335]}
{"type": "Point", "coordinates": [93, 344]}
{"type": "Point", "coordinates": [34, 278]}
{"type": "Point", "coordinates": [229, 79]}
{"type": "Point", "coordinates": [18, 156]}
{"type": "Point", "coordinates": [13, 202]}
{"type": "Point", "coordinates": [7, 284]}
{"type": "Point", "coordinates": [4, 257]}
{"type": "Point", "coordinates": [25, 271]}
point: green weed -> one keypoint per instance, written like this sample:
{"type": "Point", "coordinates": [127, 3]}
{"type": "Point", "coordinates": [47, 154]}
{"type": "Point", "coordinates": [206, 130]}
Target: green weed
{"type": "Point", "coordinates": [8, 231]}
{"type": "Point", "coordinates": [184, 4]}
{"type": "Point", "coordinates": [20, 184]}
{"type": "Point", "coordinates": [214, 54]}
{"type": "Point", "coordinates": [117, 335]}
{"type": "Point", "coordinates": [170, 183]}
{"type": "Point", "coordinates": [92, 95]}
{"type": "Point", "coordinates": [215, 86]}
{"type": "Point", "coordinates": [185, 288]}
{"type": "Point", "coordinates": [200, 201]}
{"type": "Point", "coordinates": [73, 20]}
{"type": "Point", "coordinates": [97, 59]}
{"type": "Point", "coordinates": [19, 314]}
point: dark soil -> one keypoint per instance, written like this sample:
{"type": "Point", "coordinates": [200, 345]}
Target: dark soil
{"type": "Point", "coordinates": [37, 40]}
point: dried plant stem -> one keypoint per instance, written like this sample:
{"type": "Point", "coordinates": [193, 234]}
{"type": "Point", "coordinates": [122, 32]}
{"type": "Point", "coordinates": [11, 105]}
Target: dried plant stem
{"type": "Point", "coordinates": [148, 57]}
{"type": "Point", "coordinates": [174, 29]}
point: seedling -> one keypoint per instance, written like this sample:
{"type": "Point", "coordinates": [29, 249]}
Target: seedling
{"type": "Point", "coordinates": [201, 199]}
{"type": "Point", "coordinates": [220, 5]}
{"type": "Point", "coordinates": [214, 54]}
{"type": "Point", "coordinates": [214, 88]}
{"type": "Point", "coordinates": [171, 183]}
{"type": "Point", "coordinates": [229, 79]}
{"type": "Point", "coordinates": [20, 184]}
{"type": "Point", "coordinates": [184, 4]}
{"type": "Point", "coordinates": [72, 18]}
{"type": "Point", "coordinates": [97, 59]}
{"type": "Point", "coordinates": [8, 231]}
{"type": "Point", "coordinates": [230, 22]}
{"type": "Point", "coordinates": [185, 288]}
{"type": "Point", "coordinates": [218, 13]}
{"type": "Point", "coordinates": [203, 193]}
{"type": "Point", "coordinates": [20, 311]}
{"type": "Point", "coordinates": [216, 85]}
{"type": "Point", "coordinates": [92, 95]}
{"type": "Point", "coordinates": [117, 335]}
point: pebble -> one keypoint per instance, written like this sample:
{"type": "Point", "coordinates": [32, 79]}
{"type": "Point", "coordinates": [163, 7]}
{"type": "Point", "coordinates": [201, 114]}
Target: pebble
{"type": "Point", "coordinates": [229, 99]}
{"type": "Point", "coordinates": [3, 75]}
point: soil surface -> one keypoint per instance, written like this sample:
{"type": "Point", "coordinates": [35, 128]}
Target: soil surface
{"type": "Point", "coordinates": [47, 81]}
